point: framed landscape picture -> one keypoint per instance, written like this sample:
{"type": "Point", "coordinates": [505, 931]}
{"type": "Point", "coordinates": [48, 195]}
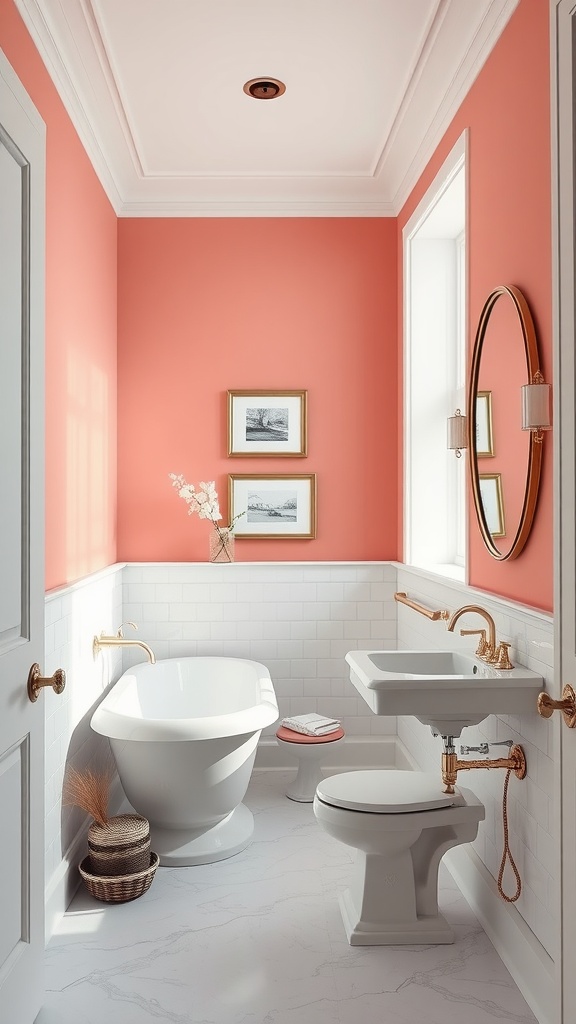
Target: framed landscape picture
{"type": "Point", "coordinates": [267, 423]}
{"type": "Point", "coordinates": [274, 506]}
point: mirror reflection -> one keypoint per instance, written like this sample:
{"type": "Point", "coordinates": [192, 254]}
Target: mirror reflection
{"type": "Point", "coordinates": [504, 463]}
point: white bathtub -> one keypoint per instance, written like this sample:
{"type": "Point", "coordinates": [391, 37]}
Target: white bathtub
{"type": "Point", "coordinates": [184, 734]}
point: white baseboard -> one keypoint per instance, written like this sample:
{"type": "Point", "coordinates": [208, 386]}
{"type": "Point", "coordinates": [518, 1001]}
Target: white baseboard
{"type": "Point", "coordinates": [531, 967]}
{"type": "Point", "coordinates": [353, 752]}
{"type": "Point", "coordinates": [65, 881]}
{"type": "Point", "coordinates": [63, 884]}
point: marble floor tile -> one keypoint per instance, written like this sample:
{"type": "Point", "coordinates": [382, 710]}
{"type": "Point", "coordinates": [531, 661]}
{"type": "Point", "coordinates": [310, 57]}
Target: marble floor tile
{"type": "Point", "coordinates": [258, 939]}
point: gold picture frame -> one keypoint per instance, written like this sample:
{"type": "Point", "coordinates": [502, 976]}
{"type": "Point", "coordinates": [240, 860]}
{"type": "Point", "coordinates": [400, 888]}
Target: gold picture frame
{"type": "Point", "coordinates": [267, 423]}
{"type": "Point", "coordinates": [492, 503]}
{"type": "Point", "coordinates": [276, 506]}
{"type": "Point", "coordinates": [484, 433]}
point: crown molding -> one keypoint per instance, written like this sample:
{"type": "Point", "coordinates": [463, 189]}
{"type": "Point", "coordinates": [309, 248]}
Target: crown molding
{"type": "Point", "coordinates": [276, 208]}
{"type": "Point", "coordinates": [43, 37]}
{"type": "Point", "coordinates": [87, 88]}
{"type": "Point", "coordinates": [489, 30]}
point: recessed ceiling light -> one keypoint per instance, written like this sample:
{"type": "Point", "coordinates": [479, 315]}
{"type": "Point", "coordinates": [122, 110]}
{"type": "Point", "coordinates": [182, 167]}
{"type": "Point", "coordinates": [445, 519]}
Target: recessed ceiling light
{"type": "Point", "coordinates": [264, 88]}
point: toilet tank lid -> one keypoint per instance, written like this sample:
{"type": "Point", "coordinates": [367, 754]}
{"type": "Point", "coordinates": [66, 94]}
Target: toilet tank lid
{"type": "Point", "coordinates": [387, 792]}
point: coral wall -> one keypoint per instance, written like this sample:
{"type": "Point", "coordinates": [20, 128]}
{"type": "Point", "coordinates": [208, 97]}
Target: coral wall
{"type": "Point", "coordinates": [80, 333]}
{"type": "Point", "coordinates": [509, 242]}
{"type": "Point", "coordinates": [205, 305]}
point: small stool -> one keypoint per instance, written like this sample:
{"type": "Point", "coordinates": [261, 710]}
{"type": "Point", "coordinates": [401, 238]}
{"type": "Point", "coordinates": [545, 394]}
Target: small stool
{"type": "Point", "coordinates": [308, 751]}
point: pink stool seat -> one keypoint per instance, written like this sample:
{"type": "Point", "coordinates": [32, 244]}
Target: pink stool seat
{"type": "Point", "coordinates": [291, 736]}
{"type": "Point", "coordinates": [308, 751]}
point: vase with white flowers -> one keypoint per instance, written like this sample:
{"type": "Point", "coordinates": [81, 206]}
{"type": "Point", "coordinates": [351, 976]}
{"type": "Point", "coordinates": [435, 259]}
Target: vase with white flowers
{"type": "Point", "coordinates": [203, 501]}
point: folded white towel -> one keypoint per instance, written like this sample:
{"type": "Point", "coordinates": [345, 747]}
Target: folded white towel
{"type": "Point", "coordinates": [312, 724]}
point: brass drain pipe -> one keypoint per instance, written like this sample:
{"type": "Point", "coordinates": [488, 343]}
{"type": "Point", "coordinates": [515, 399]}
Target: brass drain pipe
{"type": "Point", "coordinates": [451, 765]}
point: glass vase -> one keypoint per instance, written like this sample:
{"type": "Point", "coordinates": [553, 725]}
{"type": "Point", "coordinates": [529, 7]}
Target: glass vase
{"type": "Point", "coordinates": [221, 545]}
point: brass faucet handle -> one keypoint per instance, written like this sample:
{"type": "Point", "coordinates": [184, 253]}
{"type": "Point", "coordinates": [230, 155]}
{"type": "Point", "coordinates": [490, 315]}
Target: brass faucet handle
{"type": "Point", "coordinates": [483, 645]}
{"type": "Point", "coordinates": [119, 631]}
{"type": "Point", "coordinates": [502, 658]}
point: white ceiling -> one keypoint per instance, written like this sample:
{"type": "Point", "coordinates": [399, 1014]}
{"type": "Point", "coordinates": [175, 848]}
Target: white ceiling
{"type": "Point", "coordinates": [154, 88]}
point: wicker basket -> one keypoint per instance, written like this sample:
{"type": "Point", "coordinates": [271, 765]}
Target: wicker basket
{"type": "Point", "coordinates": [121, 846]}
{"type": "Point", "coordinates": [119, 888]}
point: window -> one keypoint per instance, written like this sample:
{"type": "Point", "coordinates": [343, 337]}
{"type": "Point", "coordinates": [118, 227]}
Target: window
{"type": "Point", "coordinates": [435, 372]}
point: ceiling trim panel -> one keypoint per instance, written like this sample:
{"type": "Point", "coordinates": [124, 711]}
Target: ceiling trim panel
{"type": "Point", "coordinates": [456, 46]}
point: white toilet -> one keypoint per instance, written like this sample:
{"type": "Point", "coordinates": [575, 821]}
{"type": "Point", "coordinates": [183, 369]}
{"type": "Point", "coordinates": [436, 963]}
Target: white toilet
{"type": "Point", "coordinates": [401, 825]}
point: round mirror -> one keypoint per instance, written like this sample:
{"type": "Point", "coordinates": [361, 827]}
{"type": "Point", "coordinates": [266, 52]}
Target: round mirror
{"type": "Point", "coordinates": [504, 459]}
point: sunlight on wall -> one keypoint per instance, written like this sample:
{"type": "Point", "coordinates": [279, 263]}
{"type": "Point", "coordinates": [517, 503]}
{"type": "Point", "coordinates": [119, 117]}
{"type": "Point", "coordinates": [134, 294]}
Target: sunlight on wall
{"type": "Point", "coordinates": [88, 500]}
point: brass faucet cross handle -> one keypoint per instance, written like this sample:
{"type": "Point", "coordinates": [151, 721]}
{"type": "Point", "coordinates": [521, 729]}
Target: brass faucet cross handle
{"type": "Point", "coordinates": [120, 630]}
{"type": "Point", "coordinates": [482, 643]}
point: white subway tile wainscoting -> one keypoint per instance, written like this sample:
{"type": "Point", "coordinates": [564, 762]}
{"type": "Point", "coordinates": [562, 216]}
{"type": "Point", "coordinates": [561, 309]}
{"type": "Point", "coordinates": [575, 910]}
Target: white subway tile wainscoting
{"type": "Point", "coordinates": [300, 619]}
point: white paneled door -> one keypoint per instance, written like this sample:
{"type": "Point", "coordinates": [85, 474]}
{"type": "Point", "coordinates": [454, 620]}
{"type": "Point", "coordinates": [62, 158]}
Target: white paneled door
{"type": "Point", "coordinates": [564, 181]}
{"type": "Point", "coordinates": [22, 174]}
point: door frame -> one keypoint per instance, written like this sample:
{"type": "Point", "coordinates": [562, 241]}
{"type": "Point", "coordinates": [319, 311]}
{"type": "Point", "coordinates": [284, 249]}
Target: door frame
{"type": "Point", "coordinates": [563, 139]}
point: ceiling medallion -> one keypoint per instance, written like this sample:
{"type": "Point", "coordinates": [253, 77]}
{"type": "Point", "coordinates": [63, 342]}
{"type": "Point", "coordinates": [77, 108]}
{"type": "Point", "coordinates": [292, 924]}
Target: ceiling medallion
{"type": "Point", "coordinates": [264, 88]}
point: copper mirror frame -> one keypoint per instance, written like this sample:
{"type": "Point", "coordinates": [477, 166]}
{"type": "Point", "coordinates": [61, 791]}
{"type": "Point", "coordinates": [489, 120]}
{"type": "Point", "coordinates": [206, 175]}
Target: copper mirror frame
{"type": "Point", "coordinates": [535, 450]}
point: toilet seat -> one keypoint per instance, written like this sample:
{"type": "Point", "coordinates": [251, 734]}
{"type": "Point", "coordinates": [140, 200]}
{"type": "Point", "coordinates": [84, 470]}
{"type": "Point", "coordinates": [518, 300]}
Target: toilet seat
{"type": "Point", "coordinates": [386, 792]}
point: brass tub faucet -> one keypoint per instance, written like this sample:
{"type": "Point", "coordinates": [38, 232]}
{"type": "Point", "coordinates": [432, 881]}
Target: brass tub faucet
{"type": "Point", "coordinates": [119, 640]}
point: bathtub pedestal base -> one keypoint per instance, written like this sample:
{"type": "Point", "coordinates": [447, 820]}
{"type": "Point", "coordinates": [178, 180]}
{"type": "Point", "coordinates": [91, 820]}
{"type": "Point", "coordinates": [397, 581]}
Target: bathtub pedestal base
{"type": "Point", "coordinates": [181, 847]}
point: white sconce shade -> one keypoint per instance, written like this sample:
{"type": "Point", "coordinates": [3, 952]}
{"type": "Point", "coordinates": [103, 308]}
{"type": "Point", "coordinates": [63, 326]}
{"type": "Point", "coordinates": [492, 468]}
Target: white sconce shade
{"type": "Point", "coordinates": [457, 433]}
{"type": "Point", "coordinates": [536, 406]}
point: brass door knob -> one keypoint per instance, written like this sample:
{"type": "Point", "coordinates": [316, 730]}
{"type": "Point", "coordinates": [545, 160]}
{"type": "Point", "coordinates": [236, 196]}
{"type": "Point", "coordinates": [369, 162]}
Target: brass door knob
{"type": "Point", "coordinates": [547, 706]}
{"type": "Point", "coordinates": [35, 681]}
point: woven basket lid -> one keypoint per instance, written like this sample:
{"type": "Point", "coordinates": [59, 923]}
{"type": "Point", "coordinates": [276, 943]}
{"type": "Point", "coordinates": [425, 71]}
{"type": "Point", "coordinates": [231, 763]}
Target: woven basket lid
{"type": "Point", "coordinates": [121, 830]}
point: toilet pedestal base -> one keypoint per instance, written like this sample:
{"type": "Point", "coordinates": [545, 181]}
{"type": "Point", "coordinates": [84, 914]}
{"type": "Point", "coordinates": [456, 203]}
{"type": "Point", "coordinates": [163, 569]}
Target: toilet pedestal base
{"type": "Point", "coordinates": [423, 931]}
{"type": "Point", "coordinates": [381, 907]}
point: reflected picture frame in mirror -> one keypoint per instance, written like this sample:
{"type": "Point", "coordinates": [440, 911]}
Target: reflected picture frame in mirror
{"type": "Point", "coordinates": [484, 433]}
{"type": "Point", "coordinates": [517, 532]}
{"type": "Point", "coordinates": [493, 503]}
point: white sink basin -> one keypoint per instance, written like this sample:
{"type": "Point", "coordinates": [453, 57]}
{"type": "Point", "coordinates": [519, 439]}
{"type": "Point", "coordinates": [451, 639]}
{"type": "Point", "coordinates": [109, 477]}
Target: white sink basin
{"type": "Point", "coordinates": [445, 689]}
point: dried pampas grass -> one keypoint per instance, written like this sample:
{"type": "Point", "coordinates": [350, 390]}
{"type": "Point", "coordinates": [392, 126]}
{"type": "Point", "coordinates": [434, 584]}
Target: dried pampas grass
{"type": "Point", "coordinates": [89, 790]}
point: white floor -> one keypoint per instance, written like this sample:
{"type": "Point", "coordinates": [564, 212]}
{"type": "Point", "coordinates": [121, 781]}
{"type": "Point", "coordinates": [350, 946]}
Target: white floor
{"type": "Point", "coordinates": [258, 939]}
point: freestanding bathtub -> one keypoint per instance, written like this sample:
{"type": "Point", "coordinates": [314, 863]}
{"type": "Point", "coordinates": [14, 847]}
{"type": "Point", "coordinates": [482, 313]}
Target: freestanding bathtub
{"type": "Point", "coordinates": [184, 734]}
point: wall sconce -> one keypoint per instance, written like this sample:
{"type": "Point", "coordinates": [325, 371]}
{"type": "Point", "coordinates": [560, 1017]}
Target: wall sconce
{"type": "Point", "coordinates": [536, 406]}
{"type": "Point", "coordinates": [457, 433]}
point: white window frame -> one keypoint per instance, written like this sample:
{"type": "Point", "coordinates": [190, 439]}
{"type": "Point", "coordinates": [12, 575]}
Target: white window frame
{"type": "Point", "coordinates": [435, 499]}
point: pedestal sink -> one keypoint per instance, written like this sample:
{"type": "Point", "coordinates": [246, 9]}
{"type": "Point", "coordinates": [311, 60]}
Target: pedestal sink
{"type": "Point", "coordinates": [447, 690]}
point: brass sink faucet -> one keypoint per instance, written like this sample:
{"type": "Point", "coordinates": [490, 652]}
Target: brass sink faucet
{"type": "Point", "coordinates": [120, 641]}
{"type": "Point", "coordinates": [487, 650]}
